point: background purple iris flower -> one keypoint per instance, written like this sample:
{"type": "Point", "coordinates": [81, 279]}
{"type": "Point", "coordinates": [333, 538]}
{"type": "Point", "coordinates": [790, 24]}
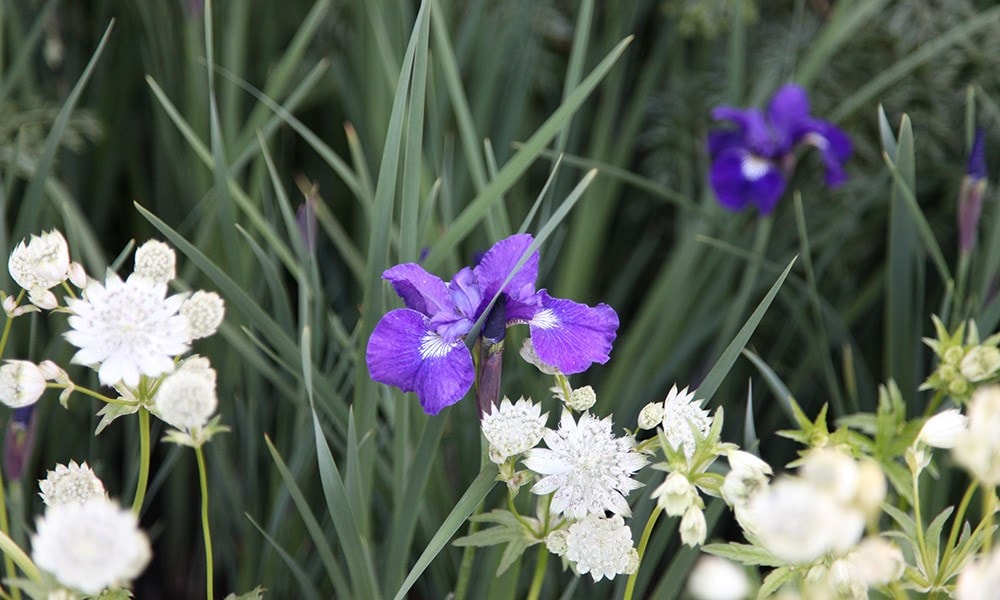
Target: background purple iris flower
{"type": "Point", "coordinates": [421, 348]}
{"type": "Point", "coordinates": [751, 163]}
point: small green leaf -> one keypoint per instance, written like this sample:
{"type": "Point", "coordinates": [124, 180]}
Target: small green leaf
{"type": "Point", "coordinates": [773, 581]}
{"type": "Point", "coordinates": [745, 554]}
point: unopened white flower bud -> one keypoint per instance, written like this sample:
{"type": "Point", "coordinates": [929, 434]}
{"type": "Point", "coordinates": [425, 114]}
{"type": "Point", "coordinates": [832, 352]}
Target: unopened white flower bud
{"type": "Point", "coordinates": [832, 471]}
{"type": "Point", "coordinates": [980, 363]}
{"type": "Point", "coordinates": [156, 262]}
{"type": "Point", "coordinates": [70, 483]}
{"type": "Point", "coordinates": [77, 275]}
{"type": "Point", "coordinates": [693, 527]}
{"type": "Point", "coordinates": [204, 312]}
{"type": "Point", "coordinates": [877, 561]}
{"type": "Point", "coordinates": [556, 542]}
{"type": "Point", "coordinates": [53, 372]}
{"type": "Point", "coordinates": [21, 383]}
{"type": "Point", "coordinates": [651, 415]}
{"type": "Point", "coordinates": [530, 356]}
{"type": "Point", "coordinates": [186, 399]}
{"type": "Point", "coordinates": [943, 429]}
{"type": "Point", "coordinates": [676, 494]}
{"type": "Point", "coordinates": [9, 304]}
{"type": "Point", "coordinates": [43, 299]}
{"type": "Point", "coordinates": [744, 461]}
{"type": "Point", "coordinates": [872, 487]}
{"type": "Point", "coordinates": [581, 399]}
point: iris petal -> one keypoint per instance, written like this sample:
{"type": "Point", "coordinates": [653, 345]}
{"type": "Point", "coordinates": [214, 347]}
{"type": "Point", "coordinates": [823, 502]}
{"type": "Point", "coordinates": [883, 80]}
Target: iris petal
{"type": "Point", "coordinates": [572, 336]}
{"type": "Point", "coordinates": [740, 178]}
{"type": "Point", "coordinates": [420, 290]}
{"type": "Point", "coordinates": [406, 352]}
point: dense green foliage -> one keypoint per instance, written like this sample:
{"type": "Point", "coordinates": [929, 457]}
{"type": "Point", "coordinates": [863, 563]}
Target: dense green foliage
{"type": "Point", "coordinates": [433, 129]}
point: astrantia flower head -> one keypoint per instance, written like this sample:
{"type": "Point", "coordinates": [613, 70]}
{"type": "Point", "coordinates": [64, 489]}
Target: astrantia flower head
{"type": "Point", "coordinates": [41, 263]}
{"type": "Point", "coordinates": [21, 383]}
{"type": "Point", "coordinates": [186, 398]}
{"type": "Point", "coordinates": [91, 546]}
{"type": "Point", "coordinates": [156, 261]}
{"type": "Point", "coordinates": [943, 429]}
{"type": "Point", "coordinates": [751, 163]}
{"type": "Point", "coordinates": [980, 578]}
{"type": "Point", "coordinates": [126, 329]}
{"type": "Point", "coordinates": [681, 412]}
{"type": "Point", "coordinates": [513, 429]}
{"type": "Point", "coordinates": [589, 469]}
{"type": "Point", "coordinates": [601, 547]}
{"type": "Point", "coordinates": [204, 312]}
{"type": "Point", "coordinates": [978, 448]}
{"type": "Point", "coordinates": [715, 578]}
{"type": "Point", "coordinates": [70, 483]}
{"type": "Point", "coordinates": [421, 348]}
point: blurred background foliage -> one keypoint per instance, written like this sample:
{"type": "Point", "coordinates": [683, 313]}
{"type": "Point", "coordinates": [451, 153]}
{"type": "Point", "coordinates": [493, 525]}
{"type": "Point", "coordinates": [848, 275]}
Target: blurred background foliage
{"type": "Point", "coordinates": [192, 145]}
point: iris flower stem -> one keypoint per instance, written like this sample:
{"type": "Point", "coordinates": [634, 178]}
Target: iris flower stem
{"type": "Point", "coordinates": [206, 530]}
{"type": "Point", "coordinates": [140, 486]}
{"type": "Point", "coordinates": [956, 525]}
{"type": "Point", "coordinates": [539, 577]}
{"type": "Point", "coordinates": [643, 542]}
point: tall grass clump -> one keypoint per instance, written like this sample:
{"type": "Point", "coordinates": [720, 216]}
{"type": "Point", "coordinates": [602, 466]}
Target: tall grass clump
{"type": "Point", "coordinates": [521, 299]}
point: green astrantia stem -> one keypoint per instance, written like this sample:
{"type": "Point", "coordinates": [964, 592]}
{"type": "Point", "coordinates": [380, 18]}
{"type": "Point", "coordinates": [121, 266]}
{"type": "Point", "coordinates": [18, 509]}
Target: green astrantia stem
{"type": "Point", "coordinates": [91, 393]}
{"type": "Point", "coordinates": [646, 534]}
{"type": "Point", "coordinates": [140, 486]}
{"type": "Point", "coordinates": [989, 512]}
{"type": "Point", "coordinates": [918, 520]}
{"type": "Point", "coordinates": [956, 525]}
{"type": "Point", "coordinates": [539, 577]}
{"type": "Point", "coordinates": [206, 530]}
{"type": "Point", "coordinates": [22, 560]}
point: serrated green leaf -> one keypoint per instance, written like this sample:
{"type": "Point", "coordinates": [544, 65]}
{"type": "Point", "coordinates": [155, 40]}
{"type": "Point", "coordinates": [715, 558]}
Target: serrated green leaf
{"type": "Point", "coordinates": [774, 580]}
{"type": "Point", "coordinates": [110, 412]}
{"type": "Point", "coordinates": [745, 554]}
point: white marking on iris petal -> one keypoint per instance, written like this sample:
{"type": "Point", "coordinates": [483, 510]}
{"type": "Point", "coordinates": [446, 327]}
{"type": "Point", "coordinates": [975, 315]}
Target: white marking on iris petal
{"type": "Point", "coordinates": [754, 167]}
{"type": "Point", "coordinates": [432, 345]}
{"type": "Point", "coordinates": [817, 140]}
{"type": "Point", "coordinates": [545, 319]}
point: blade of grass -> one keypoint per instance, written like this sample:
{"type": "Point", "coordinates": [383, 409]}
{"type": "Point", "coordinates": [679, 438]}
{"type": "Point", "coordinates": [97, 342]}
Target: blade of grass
{"type": "Point", "coordinates": [306, 587]}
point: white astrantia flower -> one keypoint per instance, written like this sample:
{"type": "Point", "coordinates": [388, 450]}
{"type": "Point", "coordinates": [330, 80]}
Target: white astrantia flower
{"type": "Point", "coordinates": [877, 561]}
{"type": "Point", "coordinates": [70, 483]}
{"type": "Point", "coordinates": [943, 429]}
{"type": "Point", "coordinates": [978, 448]}
{"type": "Point", "coordinates": [681, 412]}
{"type": "Point", "coordinates": [980, 578]}
{"type": "Point", "coordinates": [676, 494]}
{"type": "Point", "coordinates": [40, 264]}
{"type": "Point", "coordinates": [832, 471]}
{"type": "Point", "coordinates": [156, 261]}
{"type": "Point", "coordinates": [715, 578]}
{"type": "Point", "coordinates": [186, 398]}
{"type": "Point", "coordinates": [21, 383]}
{"type": "Point", "coordinates": [204, 312]}
{"type": "Point", "coordinates": [651, 415]}
{"type": "Point", "coordinates": [873, 486]}
{"type": "Point", "coordinates": [91, 546]}
{"type": "Point", "coordinates": [126, 329]}
{"type": "Point", "coordinates": [513, 429]}
{"type": "Point", "coordinates": [589, 469]}
{"type": "Point", "coordinates": [747, 476]}
{"type": "Point", "coordinates": [601, 547]}
{"type": "Point", "coordinates": [555, 542]}
{"type": "Point", "coordinates": [799, 522]}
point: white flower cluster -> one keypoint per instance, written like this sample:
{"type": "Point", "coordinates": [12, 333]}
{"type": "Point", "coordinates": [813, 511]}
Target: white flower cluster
{"type": "Point", "coordinates": [513, 429]}
{"type": "Point", "coordinates": [680, 415]}
{"type": "Point", "coordinates": [978, 447]}
{"type": "Point", "coordinates": [39, 265]}
{"type": "Point", "coordinates": [597, 545]}
{"type": "Point", "coordinates": [84, 540]}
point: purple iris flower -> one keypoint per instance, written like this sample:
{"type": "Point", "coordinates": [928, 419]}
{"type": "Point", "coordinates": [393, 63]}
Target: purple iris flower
{"type": "Point", "coordinates": [751, 163]}
{"type": "Point", "coordinates": [421, 348]}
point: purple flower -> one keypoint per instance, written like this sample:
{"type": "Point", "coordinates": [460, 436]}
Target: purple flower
{"type": "Point", "coordinates": [751, 163]}
{"type": "Point", "coordinates": [970, 197]}
{"type": "Point", "coordinates": [421, 348]}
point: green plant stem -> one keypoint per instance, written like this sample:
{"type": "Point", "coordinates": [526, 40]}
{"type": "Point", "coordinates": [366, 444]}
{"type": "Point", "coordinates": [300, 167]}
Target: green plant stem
{"type": "Point", "coordinates": [206, 530]}
{"type": "Point", "coordinates": [14, 552]}
{"type": "Point", "coordinates": [956, 526]}
{"type": "Point", "coordinates": [646, 534]}
{"type": "Point", "coordinates": [91, 393]}
{"type": "Point", "coordinates": [989, 510]}
{"type": "Point", "coordinates": [539, 577]}
{"type": "Point", "coordinates": [5, 528]}
{"type": "Point", "coordinates": [140, 486]}
{"type": "Point", "coordinates": [921, 543]}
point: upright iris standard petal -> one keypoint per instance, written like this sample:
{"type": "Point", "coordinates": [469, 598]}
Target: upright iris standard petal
{"type": "Point", "coordinates": [498, 263]}
{"type": "Point", "coordinates": [572, 336]}
{"type": "Point", "coordinates": [405, 351]}
{"type": "Point", "coordinates": [788, 113]}
{"type": "Point", "coordinates": [835, 148]}
{"type": "Point", "coordinates": [420, 290]}
{"type": "Point", "coordinates": [741, 178]}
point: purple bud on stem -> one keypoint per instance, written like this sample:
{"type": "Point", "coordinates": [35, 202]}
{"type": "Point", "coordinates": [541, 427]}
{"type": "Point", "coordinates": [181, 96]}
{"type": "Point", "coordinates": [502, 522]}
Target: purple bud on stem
{"type": "Point", "coordinates": [970, 196]}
